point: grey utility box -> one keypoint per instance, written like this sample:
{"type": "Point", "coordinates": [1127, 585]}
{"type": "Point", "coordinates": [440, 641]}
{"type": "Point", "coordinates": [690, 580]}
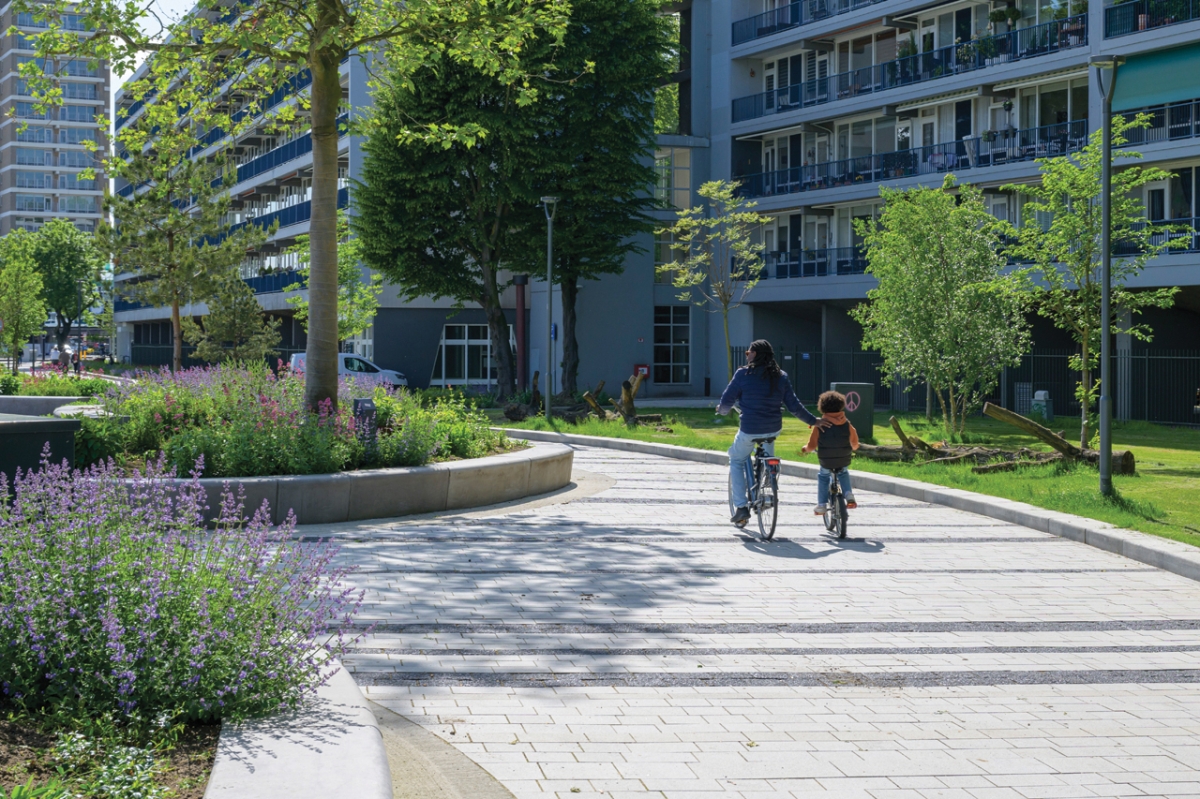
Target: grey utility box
{"type": "Point", "coordinates": [860, 406]}
{"type": "Point", "coordinates": [22, 439]}
{"type": "Point", "coordinates": [1043, 405]}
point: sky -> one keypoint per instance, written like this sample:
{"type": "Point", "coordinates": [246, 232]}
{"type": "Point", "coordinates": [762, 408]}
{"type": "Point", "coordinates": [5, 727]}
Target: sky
{"type": "Point", "coordinates": [169, 11]}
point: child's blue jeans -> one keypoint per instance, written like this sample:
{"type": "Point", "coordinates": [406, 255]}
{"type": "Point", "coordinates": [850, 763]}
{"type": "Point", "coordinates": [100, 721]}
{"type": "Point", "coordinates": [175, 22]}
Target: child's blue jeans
{"type": "Point", "coordinates": [823, 484]}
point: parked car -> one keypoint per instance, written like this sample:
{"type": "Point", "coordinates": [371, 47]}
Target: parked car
{"type": "Point", "coordinates": [357, 366]}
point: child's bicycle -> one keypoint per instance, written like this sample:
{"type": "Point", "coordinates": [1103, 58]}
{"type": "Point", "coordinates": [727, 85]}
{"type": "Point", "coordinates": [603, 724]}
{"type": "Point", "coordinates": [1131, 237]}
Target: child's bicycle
{"type": "Point", "coordinates": [762, 483]}
{"type": "Point", "coordinates": [836, 514]}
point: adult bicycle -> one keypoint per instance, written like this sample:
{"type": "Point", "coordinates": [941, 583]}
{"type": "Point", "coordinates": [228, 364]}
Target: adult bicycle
{"type": "Point", "coordinates": [836, 514]}
{"type": "Point", "coordinates": [762, 483]}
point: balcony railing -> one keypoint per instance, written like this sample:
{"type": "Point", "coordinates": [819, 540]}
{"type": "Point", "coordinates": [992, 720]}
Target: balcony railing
{"type": "Point", "coordinates": [292, 215]}
{"type": "Point", "coordinates": [1144, 15]}
{"type": "Point", "coordinates": [815, 263]}
{"type": "Point", "coordinates": [956, 59]}
{"type": "Point", "coordinates": [1001, 147]}
{"type": "Point", "coordinates": [1160, 238]}
{"type": "Point", "coordinates": [1167, 123]}
{"type": "Point", "coordinates": [793, 16]}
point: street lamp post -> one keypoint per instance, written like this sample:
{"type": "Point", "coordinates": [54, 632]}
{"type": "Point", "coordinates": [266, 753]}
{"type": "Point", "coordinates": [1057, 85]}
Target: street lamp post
{"type": "Point", "coordinates": [1106, 79]}
{"type": "Point", "coordinates": [549, 204]}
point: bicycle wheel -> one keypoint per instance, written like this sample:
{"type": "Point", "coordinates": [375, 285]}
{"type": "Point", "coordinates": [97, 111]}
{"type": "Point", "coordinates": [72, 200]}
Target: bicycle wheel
{"type": "Point", "coordinates": [842, 516]}
{"type": "Point", "coordinates": [767, 506]}
{"type": "Point", "coordinates": [830, 516]}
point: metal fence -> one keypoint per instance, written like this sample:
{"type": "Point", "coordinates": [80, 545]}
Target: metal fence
{"type": "Point", "coordinates": [1161, 386]}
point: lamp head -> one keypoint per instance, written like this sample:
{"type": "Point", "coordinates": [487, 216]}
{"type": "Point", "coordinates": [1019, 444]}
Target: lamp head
{"type": "Point", "coordinates": [1106, 72]}
{"type": "Point", "coordinates": [549, 200]}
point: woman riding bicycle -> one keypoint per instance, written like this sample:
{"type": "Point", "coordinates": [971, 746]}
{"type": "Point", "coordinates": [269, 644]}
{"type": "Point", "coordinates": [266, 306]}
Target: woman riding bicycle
{"type": "Point", "coordinates": [760, 389]}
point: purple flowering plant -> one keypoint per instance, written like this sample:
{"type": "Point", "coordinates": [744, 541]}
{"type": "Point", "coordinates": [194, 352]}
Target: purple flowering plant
{"type": "Point", "coordinates": [115, 598]}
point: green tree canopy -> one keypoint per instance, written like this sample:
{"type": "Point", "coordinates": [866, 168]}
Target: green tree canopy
{"type": "Point", "coordinates": [22, 307]}
{"type": "Point", "coordinates": [235, 329]}
{"type": "Point", "coordinates": [171, 236]}
{"type": "Point", "coordinates": [70, 264]}
{"type": "Point", "coordinates": [719, 262]}
{"type": "Point", "coordinates": [944, 311]}
{"type": "Point", "coordinates": [248, 50]}
{"type": "Point", "coordinates": [358, 299]}
{"type": "Point", "coordinates": [1061, 235]}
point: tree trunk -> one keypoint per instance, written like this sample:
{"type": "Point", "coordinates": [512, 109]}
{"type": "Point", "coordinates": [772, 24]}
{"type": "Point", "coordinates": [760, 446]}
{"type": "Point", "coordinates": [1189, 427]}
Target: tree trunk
{"type": "Point", "coordinates": [1036, 430]}
{"type": "Point", "coordinates": [570, 291]}
{"type": "Point", "coordinates": [321, 364]}
{"type": "Point", "coordinates": [176, 337]}
{"type": "Point", "coordinates": [62, 331]}
{"type": "Point", "coordinates": [501, 349]}
{"type": "Point", "coordinates": [1084, 396]}
{"type": "Point", "coordinates": [945, 413]}
{"type": "Point", "coordinates": [728, 347]}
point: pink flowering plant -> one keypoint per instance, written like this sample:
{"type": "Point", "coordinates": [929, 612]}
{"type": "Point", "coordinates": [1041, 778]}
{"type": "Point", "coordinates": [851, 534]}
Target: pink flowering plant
{"type": "Point", "coordinates": [115, 599]}
{"type": "Point", "coordinates": [249, 421]}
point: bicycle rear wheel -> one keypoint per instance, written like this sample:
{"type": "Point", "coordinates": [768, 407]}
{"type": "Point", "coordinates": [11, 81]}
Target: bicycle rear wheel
{"type": "Point", "coordinates": [842, 516]}
{"type": "Point", "coordinates": [767, 506]}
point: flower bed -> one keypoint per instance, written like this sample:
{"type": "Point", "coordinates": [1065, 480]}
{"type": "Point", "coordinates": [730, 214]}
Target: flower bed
{"type": "Point", "coordinates": [247, 422]}
{"type": "Point", "coordinates": [127, 622]}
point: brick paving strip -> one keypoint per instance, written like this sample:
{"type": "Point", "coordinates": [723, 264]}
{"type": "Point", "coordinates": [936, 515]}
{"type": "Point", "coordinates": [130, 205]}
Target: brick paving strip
{"type": "Point", "coordinates": [633, 644]}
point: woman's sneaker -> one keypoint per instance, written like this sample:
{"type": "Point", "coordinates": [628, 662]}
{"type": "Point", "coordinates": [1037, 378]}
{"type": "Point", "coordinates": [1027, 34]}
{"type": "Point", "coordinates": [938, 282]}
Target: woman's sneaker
{"type": "Point", "coordinates": [850, 503]}
{"type": "Point", "coordinates": [820, 510]}
{"type": "Point", "coordinates": [741, 516]}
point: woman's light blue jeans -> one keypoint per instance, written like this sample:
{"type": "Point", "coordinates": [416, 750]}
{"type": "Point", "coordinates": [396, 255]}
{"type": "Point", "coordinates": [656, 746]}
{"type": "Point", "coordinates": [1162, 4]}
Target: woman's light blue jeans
{"type": "Point", "coordinates": [823, 484]}
{"type": "Point", "coordinates": [739, 465]}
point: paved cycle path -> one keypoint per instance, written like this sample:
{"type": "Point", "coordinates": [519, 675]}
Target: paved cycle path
{"type": "Point", "coordinates": [632, 643]}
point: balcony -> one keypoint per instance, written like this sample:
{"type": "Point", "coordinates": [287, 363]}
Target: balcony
{"type": "Point", "coordinates": [815, 263]}
{"type": "Point", "coordinates": [1193, 243]}
{"type": "Point", "coordinates": [1167, 123]}
{"type": "Point", "coordinates": [1002, 147]}
{"type": "Point", "coordinates": [1144, 15]}
{"type": "Point", "coordinates": [957, 59]}
{"type": "Point", "coordinates": [292, 215]}
{"type": "Point", "coordinates": [793, 16]}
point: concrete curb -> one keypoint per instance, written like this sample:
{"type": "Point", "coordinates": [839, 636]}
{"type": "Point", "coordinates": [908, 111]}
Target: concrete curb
{"type": "Point", "coordinates": [403, 491]}
{"type": "Point", "coordinates": [34, 406]}
{"type": "Point", "coordinates": [1162, 553]}
{"type": "Point", "coordinates": [332, 747]}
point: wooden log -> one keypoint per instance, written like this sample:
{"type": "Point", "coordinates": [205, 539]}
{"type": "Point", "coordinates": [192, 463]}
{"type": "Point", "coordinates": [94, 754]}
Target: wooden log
{"type": "Point", "coordinates": [1010, 466]}
{"type": "Point", "coordinates": [904, 442]}
{"type": "Point", "coordinates": [599, 387]}
{"type": "Point", "coordinates": [621, 412]}
{"type": "Point", "coordinates": [886, 454]}
{"type": "Point", "coordinates": [627, 408]}
{"type": "Point", "coordinates": [591, 401]}
{"type": "Point", "coordinates": [1123, 461]}
{"type": "Point", "coordinates": [1036, 430]}
{"type": "Point", "coordinates": [649, 418]}
{"type": "Point", "coordinates": [949, 459]}
{"type": "Point", "coordinates": [635, 384]}
{"type": "Point", "coordinates": [917, 443]}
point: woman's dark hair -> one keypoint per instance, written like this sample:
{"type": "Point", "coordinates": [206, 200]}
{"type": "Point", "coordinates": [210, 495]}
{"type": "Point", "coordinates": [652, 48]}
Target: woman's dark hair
{"type": "Point", "coordinates": [764, 358]}
{"type": "Point", "coordinates": [831, 402]}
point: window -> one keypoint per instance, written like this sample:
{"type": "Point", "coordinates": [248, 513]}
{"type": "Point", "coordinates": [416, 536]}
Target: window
{"type": "Point", "coordinates": [78, 68]}
{"type": "Point", "coordinates": [672, 344]}
{"type": "Point", "coordinates": [33, 180]}
{"type": "Point", "coordinates": [76, 158]}
{"type": "Point", "coordinates": [77, 205]}
{"type": "Point", "coordinates": [76, 183]}
{"type": "Point", "coordinates": [34, 134]}
{"type": "Point", "coordinates": [74, 22]}
{"type": "Point", "coordinates": [465, 357]}
{"type": "Point", "coordinates": [32, 202]}
{"type": "Point", "coordinates": [76, 135]}
{"type": "Point", "coordinates": [79, 91]}
{"type": "Point", "coordinates": [78, 113]}
{"type": "Point", "coordinates": [28, 156]}
{"type": "Point", "coordinates": [359, 366]}
{"type": "Point", "coordinates": [674, 166]}
{"type": "Point", "coordinates": [664, 253]}
{"type": "Point", "coordinates": [26, 19]}
{"type": "Point", "coordinates": [28, 225]}
{"type": "Point", "coordinates": [23, 42]}
{"type": "Point", "coordinates": [28, 59]}
{"type": "Point", "coordinates": [28, 111]}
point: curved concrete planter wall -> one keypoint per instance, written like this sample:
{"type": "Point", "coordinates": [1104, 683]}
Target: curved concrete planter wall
{"type": "Point", "coordinates": [34, 406]}
{"type": "Point", "coordinates": [381, 493]}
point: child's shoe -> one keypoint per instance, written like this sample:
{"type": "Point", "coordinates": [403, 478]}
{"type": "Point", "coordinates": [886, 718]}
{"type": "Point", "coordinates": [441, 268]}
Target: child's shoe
{"type": "Point", "coordinates": [820, 510]}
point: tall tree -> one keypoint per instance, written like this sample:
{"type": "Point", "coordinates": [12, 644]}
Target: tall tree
{"type": "Point", "coordinates": [944, 310]}
{"type": "Point", "coordinates": [235, 330]}
{"type": "Point", "coordinates": [250, 48]}
{"type": "Point", "coordinates": [22, 307]}
{"type": "Point", "coordinates": [358, 299]}
{"type": "Point", "coordinates": [719, 262]}
{"type": "Point", "coordinates": [597, 133]}
{"type": "Point", "coordinates": [1061, 235]}
{"type": "Point", "coordinates": [70, 264]}
{"type": "Point", "coordinates": [438, 219]}
{"type": "Point", "coordinates": [171, 234]}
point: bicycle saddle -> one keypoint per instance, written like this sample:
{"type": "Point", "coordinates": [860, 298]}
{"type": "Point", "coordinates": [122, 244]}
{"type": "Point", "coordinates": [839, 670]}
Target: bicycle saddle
{"type": "Point", "coordinates": [763, 440]}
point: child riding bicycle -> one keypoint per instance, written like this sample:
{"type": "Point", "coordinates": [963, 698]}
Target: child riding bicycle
{"type": "Point", "coordinates": [834, 445]}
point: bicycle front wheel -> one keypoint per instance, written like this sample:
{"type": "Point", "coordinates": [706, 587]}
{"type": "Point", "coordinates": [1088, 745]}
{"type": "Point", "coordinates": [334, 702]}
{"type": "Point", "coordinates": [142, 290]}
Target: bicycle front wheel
{"type": "Point", "coordinates": [842, 516]}
{"type": "Point", "coordinates": [768, 504]}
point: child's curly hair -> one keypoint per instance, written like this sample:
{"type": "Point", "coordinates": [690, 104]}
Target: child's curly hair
{"type": "Point", "coordinates": [831, 402]}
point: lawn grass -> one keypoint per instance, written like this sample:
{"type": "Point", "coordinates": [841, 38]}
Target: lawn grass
{"type": "Point", "coordinates": [1163, 498]}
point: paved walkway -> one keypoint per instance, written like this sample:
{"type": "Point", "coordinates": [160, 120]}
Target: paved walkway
{"type": "Point", "coordinates": [633, 644]}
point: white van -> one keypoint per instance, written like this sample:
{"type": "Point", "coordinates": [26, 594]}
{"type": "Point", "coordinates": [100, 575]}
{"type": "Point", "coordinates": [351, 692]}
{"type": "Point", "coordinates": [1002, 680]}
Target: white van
{"type": "Point", "coordinates": [356, 366]}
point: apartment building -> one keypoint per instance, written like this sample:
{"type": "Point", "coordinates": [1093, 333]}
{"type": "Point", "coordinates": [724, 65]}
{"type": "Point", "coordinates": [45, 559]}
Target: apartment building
{"type": "Point", "coordinates": [274, 185]}
{"type": "Point", "coordinates": [42, 153]}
